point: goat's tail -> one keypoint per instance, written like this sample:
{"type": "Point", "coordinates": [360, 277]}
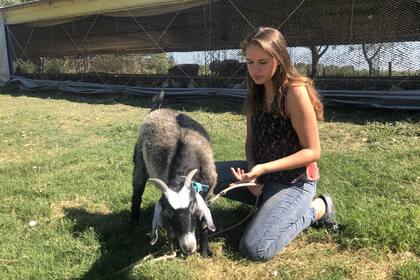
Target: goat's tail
{"type": "Point", "coordinates": [157, 101]}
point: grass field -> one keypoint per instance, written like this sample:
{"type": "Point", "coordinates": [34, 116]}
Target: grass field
{"type": "Point", "coordinates": [65, 162]}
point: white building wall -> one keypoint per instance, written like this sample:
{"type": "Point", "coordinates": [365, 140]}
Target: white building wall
{"type": "Point", "coordinates": [4, 61]}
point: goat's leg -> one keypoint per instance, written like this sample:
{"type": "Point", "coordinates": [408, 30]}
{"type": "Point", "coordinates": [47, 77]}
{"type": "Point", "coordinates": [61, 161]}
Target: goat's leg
{"type": "Point", "coordinates": [140, 177]}
{"type": "Point", "coordinates": [204, 240]}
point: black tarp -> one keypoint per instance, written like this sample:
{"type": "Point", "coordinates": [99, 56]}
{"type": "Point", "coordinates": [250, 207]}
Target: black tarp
{"type": "Point", "coordinates": [398, 99]}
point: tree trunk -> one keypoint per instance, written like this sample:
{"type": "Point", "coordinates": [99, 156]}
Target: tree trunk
{"type": "Point", "coordinates": [317, 53]}
{"type": "Point", "coordinates": [369, 59]}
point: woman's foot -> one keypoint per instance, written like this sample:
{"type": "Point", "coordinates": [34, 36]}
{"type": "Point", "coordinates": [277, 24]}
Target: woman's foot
{"type": "Point", "coordinates": [327, 220]}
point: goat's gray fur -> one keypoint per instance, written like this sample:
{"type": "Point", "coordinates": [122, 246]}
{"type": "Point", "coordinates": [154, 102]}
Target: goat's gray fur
{"type": "Point", "coordinates": [169, 147]}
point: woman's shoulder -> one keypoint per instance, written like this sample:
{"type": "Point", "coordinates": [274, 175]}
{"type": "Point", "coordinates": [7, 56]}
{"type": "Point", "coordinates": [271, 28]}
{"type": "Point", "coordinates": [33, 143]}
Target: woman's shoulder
{"type": "Point", "coordinates": [297, 96]}
{"type": "Point", "coordinates": [297, 91]}
{"type": "Point", "coordinates": [296, 88]}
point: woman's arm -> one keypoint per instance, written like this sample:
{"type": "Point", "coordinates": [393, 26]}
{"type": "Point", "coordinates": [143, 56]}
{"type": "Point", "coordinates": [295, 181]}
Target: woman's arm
{"type": "Point", "coordinates": [302, 115]}
{"type": "Point", "coordinates": [250, 159]}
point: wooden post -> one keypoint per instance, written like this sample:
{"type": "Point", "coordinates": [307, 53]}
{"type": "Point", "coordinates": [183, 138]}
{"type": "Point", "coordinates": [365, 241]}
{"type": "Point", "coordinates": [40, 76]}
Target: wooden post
{"type": "Point", "coordinates": [390, 68]}
{"type": "Point", "coordinates": [4, 58]}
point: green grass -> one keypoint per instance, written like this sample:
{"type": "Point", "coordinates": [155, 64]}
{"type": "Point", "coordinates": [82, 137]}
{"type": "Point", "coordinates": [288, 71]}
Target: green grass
{"type": "Point", "coordinates": [65, 162]}
{"type": "Point", "coordinates": [407, 271]}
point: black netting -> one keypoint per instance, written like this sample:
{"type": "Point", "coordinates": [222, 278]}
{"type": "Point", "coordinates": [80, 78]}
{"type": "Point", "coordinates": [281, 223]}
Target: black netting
{"type": "Point", "coordinates": [347, 44]}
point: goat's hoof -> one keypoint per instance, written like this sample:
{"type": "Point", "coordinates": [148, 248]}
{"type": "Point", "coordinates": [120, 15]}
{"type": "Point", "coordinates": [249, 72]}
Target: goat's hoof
{"type": "Point", "coordinates": [206, 253]}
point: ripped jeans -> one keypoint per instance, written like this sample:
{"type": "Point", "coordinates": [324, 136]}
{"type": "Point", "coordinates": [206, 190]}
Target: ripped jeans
{"type": "Point", "coordinates": [283, 212]}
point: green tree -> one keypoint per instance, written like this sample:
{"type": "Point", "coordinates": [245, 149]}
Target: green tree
{"type": "Point", "coordinates": [303, 68]}
{"type": "Point", "coordinates": [158, 63]}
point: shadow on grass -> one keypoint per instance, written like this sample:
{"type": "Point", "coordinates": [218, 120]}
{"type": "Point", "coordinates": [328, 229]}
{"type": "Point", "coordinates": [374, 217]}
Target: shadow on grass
{"type": "Point", "coordinates": [362, 116]}
{"type": "Point", "coordinates": [224, 218]}
{"type": "Point", "coordinates": [348, 114]}
{"type": "Point", "coordinates": [124, 243]}
{"type": "Point", "coordinates": [214, 105]}
{"type": "Point", "coordinates": [332, 114]}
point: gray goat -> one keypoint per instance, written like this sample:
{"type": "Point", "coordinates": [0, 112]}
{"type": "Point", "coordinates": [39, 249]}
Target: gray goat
{"type": "Point", "coordinates": [171, 145]}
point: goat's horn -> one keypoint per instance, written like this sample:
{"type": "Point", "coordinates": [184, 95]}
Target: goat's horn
{"type": "Point", "coordinates": [159, 184]}
{"type": "Point", "coordinates": [187, 182]}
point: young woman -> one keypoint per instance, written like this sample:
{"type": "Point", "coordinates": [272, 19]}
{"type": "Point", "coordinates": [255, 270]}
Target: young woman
{"type": "Point", "coordinates": [282, 146]}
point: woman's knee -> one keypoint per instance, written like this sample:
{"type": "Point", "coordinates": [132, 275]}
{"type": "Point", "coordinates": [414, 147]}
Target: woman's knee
{"type": "Point", "coordinates": [259, 250]}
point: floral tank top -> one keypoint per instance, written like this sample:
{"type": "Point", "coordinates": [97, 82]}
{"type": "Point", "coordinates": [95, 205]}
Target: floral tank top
{"type": "Point", "coordinates": [273, 137]}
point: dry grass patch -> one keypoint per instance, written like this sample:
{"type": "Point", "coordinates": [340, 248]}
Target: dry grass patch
{"type": "Point", "coordinates": [301, 260]}
{"type": "Point", "coordinates": [58, 209]}
{"type": "Point", "coordinates": [33, 148]}
{"type": "Point", "coordinates": [98, 116]}
{"type": "Point", "coordinates": [340, 138]}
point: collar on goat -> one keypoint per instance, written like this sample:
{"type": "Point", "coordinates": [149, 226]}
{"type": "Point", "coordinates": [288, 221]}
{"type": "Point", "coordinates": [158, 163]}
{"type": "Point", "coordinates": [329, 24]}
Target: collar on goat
{"type": "Point", "coordinates": [198, 187]}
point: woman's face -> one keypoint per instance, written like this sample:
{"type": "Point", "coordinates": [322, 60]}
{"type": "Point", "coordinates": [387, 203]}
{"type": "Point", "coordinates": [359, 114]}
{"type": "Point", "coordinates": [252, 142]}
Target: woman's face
{"type": "Point", "coordinates": [261, 65]}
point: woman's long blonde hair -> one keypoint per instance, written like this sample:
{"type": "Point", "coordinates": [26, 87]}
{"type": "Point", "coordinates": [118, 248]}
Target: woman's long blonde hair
{"type": "Point", "coordinates": [286, 75]}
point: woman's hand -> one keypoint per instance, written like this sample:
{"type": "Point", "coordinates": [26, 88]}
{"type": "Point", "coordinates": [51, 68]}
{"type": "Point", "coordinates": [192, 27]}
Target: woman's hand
{"type": "Point", "coordinates": [249, 177]}
{"type": "Point", "coordinates": [243, 177]}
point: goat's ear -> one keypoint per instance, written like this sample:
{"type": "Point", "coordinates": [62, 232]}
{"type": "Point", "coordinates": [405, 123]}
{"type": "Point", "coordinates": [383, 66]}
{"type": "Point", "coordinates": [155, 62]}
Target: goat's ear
{"type": "Point", "coordinates": [159, 184]}
{"type": "Point", "coordinates": [187, 182]}
{"type": "Point", "coordinates": [204, 211]}
{"type": "Point", "coordinates": [157, 221]}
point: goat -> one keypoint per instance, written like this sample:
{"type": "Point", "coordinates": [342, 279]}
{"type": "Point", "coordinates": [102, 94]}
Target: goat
{"type": "Point", "coordinates": [170, 145]}
{"type": "Point", "coordinates": [184, 69]}
{"type": "Point", "coordinates": [228, 68]}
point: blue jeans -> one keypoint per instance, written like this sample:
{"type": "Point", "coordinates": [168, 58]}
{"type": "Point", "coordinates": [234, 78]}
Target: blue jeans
{"type": "Point", "coordinates": [283, 212]}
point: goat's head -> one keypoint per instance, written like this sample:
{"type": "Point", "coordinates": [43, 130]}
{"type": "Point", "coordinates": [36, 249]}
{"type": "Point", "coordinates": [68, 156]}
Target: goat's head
{"type": "Point", "coordinates": [181, 209]}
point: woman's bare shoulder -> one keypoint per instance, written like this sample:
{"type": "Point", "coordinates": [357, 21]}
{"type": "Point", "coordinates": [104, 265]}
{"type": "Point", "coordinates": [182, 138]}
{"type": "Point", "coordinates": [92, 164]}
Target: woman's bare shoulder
{"type": "Point", "coordinates": [296, 91]}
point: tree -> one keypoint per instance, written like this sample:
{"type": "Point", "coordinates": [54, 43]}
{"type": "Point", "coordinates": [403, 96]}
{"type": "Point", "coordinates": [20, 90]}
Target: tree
{"type": "Point", "coordinates": [158, 63]}
{"type": "Point", "coordinates": [303, 68]}
{"type": "Point", "coordinates": [317, 52]}
{"type": "Point", "coordinates": [370, 51]}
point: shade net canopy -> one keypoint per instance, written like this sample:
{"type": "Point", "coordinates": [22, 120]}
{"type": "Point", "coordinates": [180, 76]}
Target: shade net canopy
{"type": "Point", "coordinates": [346, 44]}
